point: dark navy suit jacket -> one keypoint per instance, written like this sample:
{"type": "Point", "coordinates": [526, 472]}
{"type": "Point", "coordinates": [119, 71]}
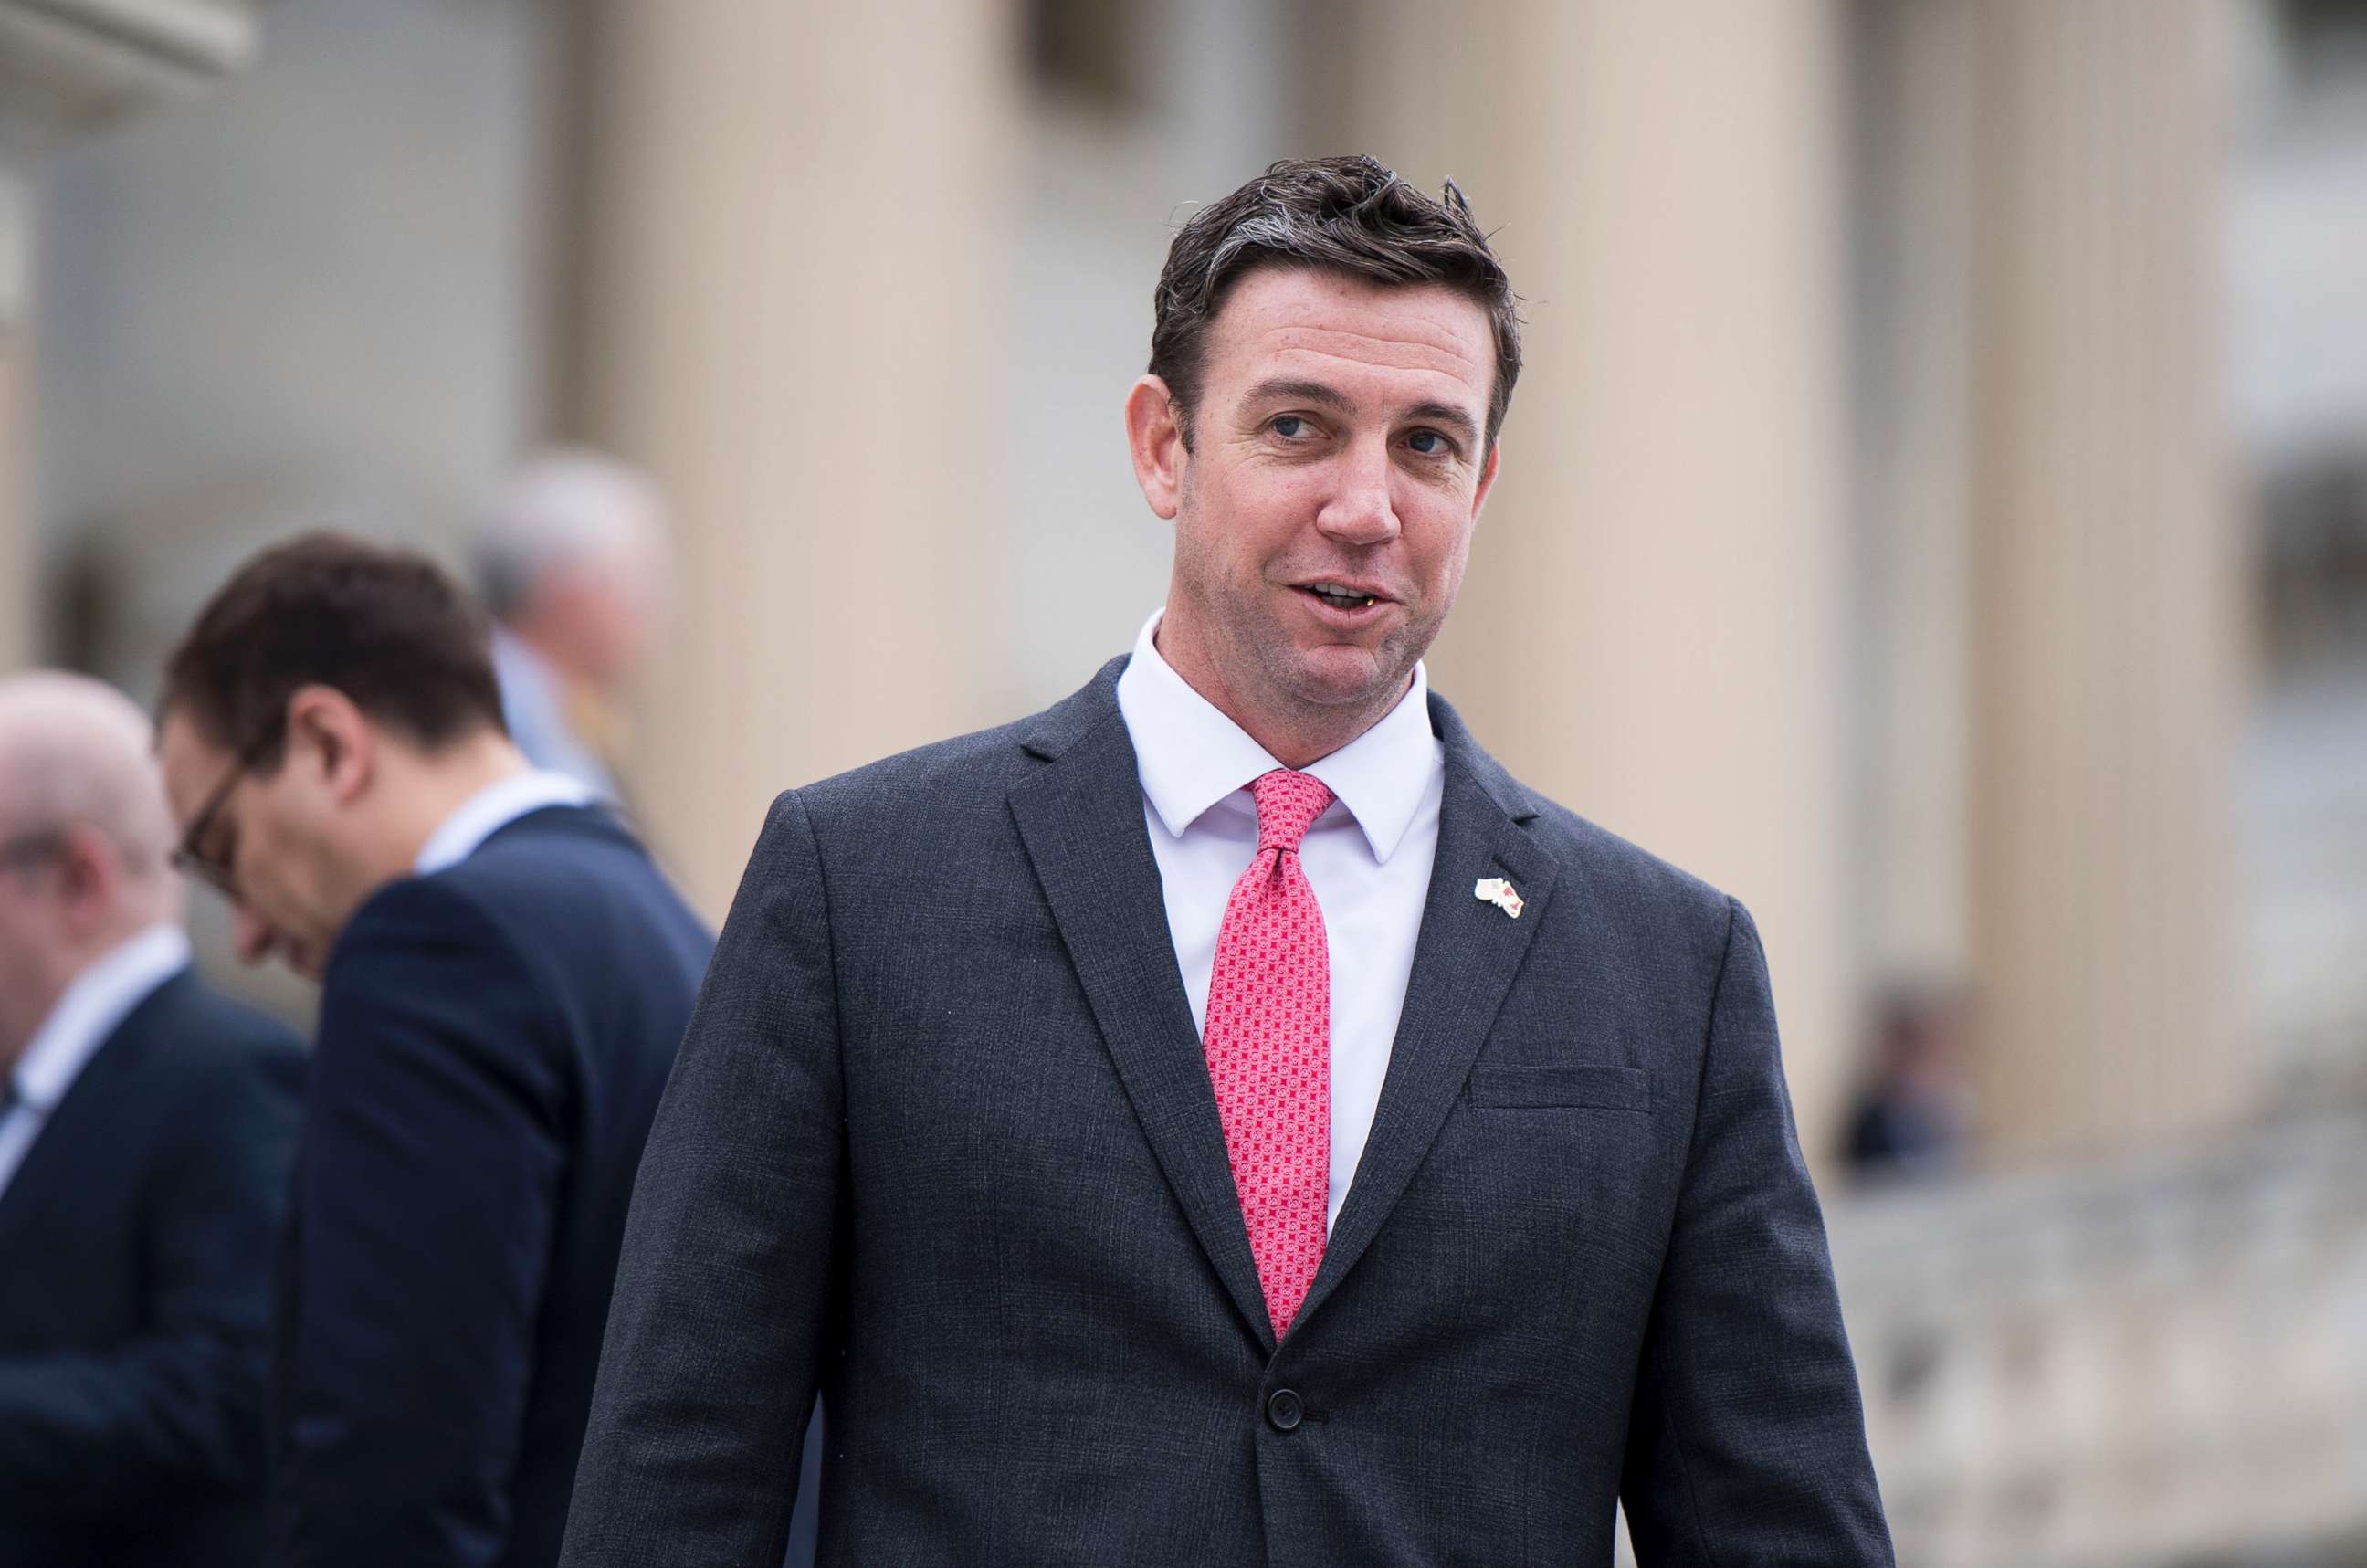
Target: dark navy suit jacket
{"type": "Point", "coordinates": [135, 1266]}
{"type": "Point", "coordinates": [492, 1042]}
{"type": "Point", "coordinates": [941, 1142]}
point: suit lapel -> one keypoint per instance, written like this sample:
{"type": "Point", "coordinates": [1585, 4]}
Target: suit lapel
{"type": "Point", "coordinates": [1081, 820]}
{"type": "Point", "coordinates": [1464, 963]}
{"type": "Point", "coordinates": [76, 1127]}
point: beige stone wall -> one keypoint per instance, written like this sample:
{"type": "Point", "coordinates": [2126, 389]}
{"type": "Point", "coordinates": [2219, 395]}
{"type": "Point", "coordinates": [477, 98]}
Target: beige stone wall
{"type": "Point", "coordinates": [789, 272]}
{"type": "Point", "coordinates": [17, 553]}
{"type": "Point", "coordinates": [2106, 576]}
{"type": "Point", "coordinates": [17, 556]}
{"type": "Point", "coordinates": [1917, 146]}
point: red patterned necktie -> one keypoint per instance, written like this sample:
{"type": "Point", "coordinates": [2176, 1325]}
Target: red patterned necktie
{"type": "Point", "coordinates": [1268, 1035]}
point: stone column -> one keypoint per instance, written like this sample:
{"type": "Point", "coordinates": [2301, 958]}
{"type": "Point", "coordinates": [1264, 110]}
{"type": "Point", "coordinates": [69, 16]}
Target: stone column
{"type": "Point", "coordinates": [1653, 627]}
{"type": "Point", "coordinates": [790, 256]}
{"type": "Point", "coordinates": [1917, 156]}
{"type": "Point", "coordinates": [2106, 641]}
{"type": "Point", "coordinates": [18, 558]}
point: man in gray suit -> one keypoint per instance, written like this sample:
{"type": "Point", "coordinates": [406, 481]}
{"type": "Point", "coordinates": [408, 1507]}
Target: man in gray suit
{"type": "Point", "coordinates": [1226, 1117]}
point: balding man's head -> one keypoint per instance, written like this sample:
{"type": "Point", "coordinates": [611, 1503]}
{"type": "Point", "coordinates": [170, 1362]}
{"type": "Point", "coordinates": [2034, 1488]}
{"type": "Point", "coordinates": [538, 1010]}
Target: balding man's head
{"type": "Point", "coordinates": [85, 839]}
{"type": "Point", "coordinates": [75, 752]}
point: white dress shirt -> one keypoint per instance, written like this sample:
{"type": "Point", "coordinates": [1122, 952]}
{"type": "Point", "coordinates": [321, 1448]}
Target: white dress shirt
{"type": "Point", "coordinates": [85, 1016]}
{"type": "Point", "coordinates": [1368, 859]}
{"type": "Point", "coordinates": [494, 808]}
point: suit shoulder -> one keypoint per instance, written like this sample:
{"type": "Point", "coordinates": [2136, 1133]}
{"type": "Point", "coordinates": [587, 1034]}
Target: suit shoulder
{"type": "Point", "coordinates": [546, 854]}
{"type": "Point", "coordinates": [210, 1047]}
{"type": "Point", "coordinates": [507, 944]}
{"type": "Point", "coordinates": [250, 1033]}
{"type": "Point", "coordinates": [556, 863]}
{"type": "Point", "coordinates": [208, 1026]}
{"type": "Point", "coordinates": [426, 985]}
{"type": "Point", "coordinates": [950, 787]}
{"type": "Point", "coordinates": [574, 894]}
{"type": "Point", "coordinates": [1613, 880]}
{"type": "Point", "coordinates": [1628, 883]}
{"type": "Point", "coordinates": [965, 773]}
{"type": "Point", "coordinates": [417, 927]}
{"type": "Point", "coordinates": [401, 907]}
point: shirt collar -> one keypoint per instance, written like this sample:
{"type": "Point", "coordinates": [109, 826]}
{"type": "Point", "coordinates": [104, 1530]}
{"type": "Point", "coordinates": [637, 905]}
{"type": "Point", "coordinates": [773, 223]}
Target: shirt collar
{"type": "Point", "coordinates": [492, 808]}
{"type": "Point", "coordinates": [1190, 755]}
{"type": "Point", "coordinates": [86, 1014]}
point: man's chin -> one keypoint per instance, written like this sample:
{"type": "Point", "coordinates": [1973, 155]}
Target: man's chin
{"type": "Point", "coordinates": [1343, 676]}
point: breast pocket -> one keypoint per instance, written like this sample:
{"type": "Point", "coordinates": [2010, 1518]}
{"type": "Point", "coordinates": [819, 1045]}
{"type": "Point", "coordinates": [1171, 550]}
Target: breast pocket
{"type": "Point", "coordinates": [1559, 1088]}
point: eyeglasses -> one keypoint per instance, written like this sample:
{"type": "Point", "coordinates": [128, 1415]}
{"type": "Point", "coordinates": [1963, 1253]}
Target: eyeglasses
{"type": "Point", "coordinates": [191, 858]}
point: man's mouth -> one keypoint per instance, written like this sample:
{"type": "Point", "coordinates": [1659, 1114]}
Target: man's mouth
{"type": "Point", "coordinates": [1339, 597]}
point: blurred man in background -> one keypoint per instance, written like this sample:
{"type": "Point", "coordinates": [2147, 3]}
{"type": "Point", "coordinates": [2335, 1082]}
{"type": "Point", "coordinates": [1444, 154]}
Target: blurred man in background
{"type": "Point", "coordinates": [505, 977]}
{"type": "Point", "coordinates": [146, 1126]}
{"type": "Point", "coordinates": [573, 561]}
{"type": "Point", "coordinates": [1910, 1116]}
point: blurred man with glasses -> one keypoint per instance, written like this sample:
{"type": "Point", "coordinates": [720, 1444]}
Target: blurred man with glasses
{"type": "Point", "coordinates": [146, 1126]}
{"type": "Point", "coordinates": [505, 975]}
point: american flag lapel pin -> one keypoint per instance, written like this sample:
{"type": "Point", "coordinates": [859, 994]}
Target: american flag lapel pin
{"type": "Point", "coordinates": [1497, 892]}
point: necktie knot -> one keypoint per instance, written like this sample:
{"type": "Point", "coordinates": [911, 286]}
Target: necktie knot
{"type": "Point", "coordinates": [1287, 805]}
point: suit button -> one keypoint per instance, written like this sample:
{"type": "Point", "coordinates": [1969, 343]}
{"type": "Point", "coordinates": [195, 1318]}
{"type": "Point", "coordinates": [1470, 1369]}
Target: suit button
{"type": "Point", "coordinates": [1285, 1410]}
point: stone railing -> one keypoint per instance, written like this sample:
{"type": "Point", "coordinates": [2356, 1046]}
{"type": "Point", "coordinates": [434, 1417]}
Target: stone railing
{"type": "Point", "coordinates": [2156, 1362]}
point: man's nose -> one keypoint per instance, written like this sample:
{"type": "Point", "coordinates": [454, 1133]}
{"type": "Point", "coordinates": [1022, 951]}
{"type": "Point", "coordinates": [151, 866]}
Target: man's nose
{"type": "Point", "coordinates": [1359, 510]}
{"type": "Point", "coordinates": [250, 939]}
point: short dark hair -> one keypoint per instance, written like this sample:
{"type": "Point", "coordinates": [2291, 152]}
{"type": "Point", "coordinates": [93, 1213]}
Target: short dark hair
{"type": "Point", "coordinates": [387, 628]}
{"type": "Point", "coordinates": [1349, 215]}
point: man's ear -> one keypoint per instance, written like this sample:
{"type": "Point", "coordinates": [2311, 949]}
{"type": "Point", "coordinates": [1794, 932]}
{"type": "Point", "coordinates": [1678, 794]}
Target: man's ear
{"type": "Point", "coordinates": [1154, 436]}
{"type": "Point", "coordinates": [1487, 478]}
{"type": "Point", "coordinates": [88, 875]}
{"type": "Point", "coordinates": [330, 735]}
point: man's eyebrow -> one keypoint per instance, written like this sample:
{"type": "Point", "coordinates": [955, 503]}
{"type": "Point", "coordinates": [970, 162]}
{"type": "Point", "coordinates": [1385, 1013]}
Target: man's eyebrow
{"type": "Point", "coordinates": [1456, 420]}
{"type": "Point", "coordinates": [1283, 390]}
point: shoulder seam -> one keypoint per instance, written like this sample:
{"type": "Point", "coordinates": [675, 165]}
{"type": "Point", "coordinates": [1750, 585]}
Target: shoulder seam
{"type": "Point", "coordinates": [795, 797]}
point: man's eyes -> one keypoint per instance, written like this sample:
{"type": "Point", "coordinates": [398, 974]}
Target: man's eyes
{"type": "Point", "coordinates": [1427, 443]}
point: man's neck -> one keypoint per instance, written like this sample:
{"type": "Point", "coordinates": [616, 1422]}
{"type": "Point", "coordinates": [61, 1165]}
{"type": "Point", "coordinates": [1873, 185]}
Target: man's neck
{"type": "Point", "coordinates": [29, 1013]}
{"type": "Point", "coordinates": [441, 785]}
{"type": "Point", "coordinates": [1305, 734]}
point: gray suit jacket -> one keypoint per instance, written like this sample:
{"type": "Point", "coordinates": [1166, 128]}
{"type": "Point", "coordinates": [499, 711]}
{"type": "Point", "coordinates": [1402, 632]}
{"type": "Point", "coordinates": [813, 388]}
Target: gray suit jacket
{"type": "Point", "coordinates": [941, 1143]}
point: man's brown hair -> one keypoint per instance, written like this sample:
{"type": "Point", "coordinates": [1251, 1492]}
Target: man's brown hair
{"type": "Point", "coordinates": [387, 628]}
{"type": "Point", "coordinates": [1348, 215]}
